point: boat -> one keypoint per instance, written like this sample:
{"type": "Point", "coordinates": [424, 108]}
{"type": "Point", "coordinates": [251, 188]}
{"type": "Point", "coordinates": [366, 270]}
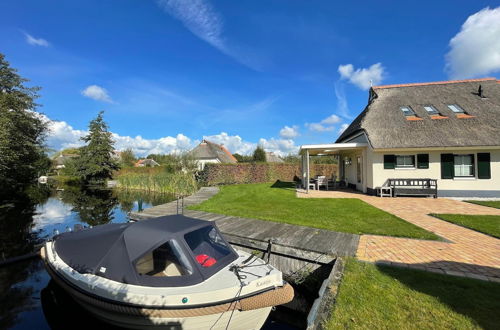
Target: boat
{"type": "Point", "coordinates": [171, 272]}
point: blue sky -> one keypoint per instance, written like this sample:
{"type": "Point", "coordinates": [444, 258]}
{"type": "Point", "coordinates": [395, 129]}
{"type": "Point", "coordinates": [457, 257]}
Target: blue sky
{"type": "Point", "coordinates": [279, 73]}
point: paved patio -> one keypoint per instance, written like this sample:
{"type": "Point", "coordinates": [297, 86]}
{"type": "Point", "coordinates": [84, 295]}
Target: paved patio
{"type": "Point", "coordinates": [464, 253]}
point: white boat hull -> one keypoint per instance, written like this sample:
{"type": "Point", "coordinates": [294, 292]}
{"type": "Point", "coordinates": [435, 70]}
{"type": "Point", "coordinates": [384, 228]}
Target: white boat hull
{"type": "Point", "coordinates": [237, 320]}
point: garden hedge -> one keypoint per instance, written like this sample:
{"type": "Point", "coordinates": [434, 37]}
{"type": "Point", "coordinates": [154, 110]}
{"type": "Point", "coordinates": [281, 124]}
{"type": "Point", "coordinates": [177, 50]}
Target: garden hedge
{"type": "Point", "coordinates": [220, 174]}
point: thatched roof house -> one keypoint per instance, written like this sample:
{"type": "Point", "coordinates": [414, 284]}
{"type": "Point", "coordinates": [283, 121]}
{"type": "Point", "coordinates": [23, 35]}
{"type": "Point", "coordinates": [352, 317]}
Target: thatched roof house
{"type": "Point", "coordinates": [209, 152]}
{"type": "Point", "coordinates": [385, 126]}
{"type": "Point", "coordinates": [447, 131]}
{"type": "Point", "coordinates": [271, 157]}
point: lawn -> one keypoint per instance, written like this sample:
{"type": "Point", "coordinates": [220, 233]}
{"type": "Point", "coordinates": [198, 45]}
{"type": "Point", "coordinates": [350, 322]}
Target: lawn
{"type": "Point", "coordinates": [383, 297]}
{"type": "Point", "coordinates": [495, 204]}
{"type": "Point", "coordinates": [277, 202]}
{"type": "Point", "coordinates": [488, 224]}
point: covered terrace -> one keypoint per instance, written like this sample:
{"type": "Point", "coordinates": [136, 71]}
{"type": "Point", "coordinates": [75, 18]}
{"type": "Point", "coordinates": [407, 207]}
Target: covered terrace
{"type": "Point", "coordinates": [352, 169]}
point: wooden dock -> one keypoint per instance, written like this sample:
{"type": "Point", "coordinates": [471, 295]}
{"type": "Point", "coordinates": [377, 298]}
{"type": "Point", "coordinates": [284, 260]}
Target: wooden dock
{"type": "Point", "coordinates": [302, 244]}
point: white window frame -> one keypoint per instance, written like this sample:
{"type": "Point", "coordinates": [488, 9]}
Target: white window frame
{"type": "Point", "coordinates": [399, 167]}
{"type": "Point", "coordinates": [472, 166]}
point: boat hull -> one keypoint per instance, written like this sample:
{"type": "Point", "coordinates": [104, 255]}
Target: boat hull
{"type": "Point", "coordinates": [246, 313]}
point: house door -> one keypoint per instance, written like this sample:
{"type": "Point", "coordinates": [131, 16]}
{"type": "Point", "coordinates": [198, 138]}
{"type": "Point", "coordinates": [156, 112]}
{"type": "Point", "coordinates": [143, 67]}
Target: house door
{"type": "Point", "coordinates": [359, 169]}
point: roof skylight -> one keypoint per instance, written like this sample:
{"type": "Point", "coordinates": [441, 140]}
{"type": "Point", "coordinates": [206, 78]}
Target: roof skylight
{"type": "Point", "coordinates": [431, 110]}
{"type": "Point", "coordinates": [407, 111]}
{"type": "Point", "coordinates": [456, 108]}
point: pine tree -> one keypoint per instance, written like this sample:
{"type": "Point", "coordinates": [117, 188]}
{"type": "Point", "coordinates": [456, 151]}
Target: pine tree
{"type": "Point", "coordinates": [259, 155]}
{"type": "Point", "coordinates": [22, 130]}
{"type": "Point", "coordinates": [96, 163]}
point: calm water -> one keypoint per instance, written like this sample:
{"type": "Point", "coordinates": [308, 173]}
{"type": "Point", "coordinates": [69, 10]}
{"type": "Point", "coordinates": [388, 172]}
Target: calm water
{"type": "Point", "coordinates": [29, 300]}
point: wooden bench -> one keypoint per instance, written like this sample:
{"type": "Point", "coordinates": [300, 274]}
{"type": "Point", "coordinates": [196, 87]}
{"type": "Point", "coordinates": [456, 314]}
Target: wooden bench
{"type": "Point", "coordinates": [413, 187]}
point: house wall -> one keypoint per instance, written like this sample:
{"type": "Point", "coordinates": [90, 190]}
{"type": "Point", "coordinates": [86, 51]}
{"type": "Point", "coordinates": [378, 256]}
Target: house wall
{"type": "Point", "coordinates": [457, 187]}
{"type": "Point", "coordinates": [201, 162]}
{"type": "Point", "coordinates": [351, 170]}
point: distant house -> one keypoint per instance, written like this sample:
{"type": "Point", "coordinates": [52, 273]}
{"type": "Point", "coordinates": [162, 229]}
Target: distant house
{"type": "Point", "coordinates": [146, 163]}
{"type": "Point", "coordinates": [209, 152]}
{"type": "Point", "coordinates": [446, 131]}
{"type": "Point", "coordinates": [272, 158]}
{"type": "Point", "coordinates": [60, 161]}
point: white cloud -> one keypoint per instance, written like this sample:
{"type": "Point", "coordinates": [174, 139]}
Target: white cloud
{"type": "Point", "coordinates": [342, 128]}
{"type": "Point", "coordinates": [362, 78]}
{"type": "Point", "coordinates": [199, 17]}
{"type": "Point", "coordinates": [288, 132]}
{"type": "Point", "coordinates": [234, 143]}
{"type": "Point", "coordinates": [475, 50]}
{"type": "Point", "coordinates": [331, 120]}
{"type": "Point", "coordinates": [62, 135]}
{"type": "Point", "coordinates": [326, 125]}
{"type": "Point", "coordinates": [317, 127]}
{"type": "Point", "coordinates": [36, 42]}
{"type": "Point", "coordinates": [97, 93]}
{"type": "Point", "coordinates": [342, 106]}
{"type": "Point", "coordinates": [281, 147]}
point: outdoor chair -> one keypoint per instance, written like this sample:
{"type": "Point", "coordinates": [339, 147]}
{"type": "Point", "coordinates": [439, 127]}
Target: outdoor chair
{"type": "Point", "coordinates": [322, 181]}
{"type": "Point", "coordinates": [332, 182]}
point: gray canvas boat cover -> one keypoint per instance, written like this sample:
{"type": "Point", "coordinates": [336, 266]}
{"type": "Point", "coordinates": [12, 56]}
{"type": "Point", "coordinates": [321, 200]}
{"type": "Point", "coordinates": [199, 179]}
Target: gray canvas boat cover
{"type": "Point", "coordinates": [120, 251]}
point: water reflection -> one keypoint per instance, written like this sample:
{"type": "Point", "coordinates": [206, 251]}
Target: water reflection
{"type": "Point", "coordinates": [29, 219]}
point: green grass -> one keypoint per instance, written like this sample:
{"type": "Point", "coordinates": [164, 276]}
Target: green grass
{"type": "Point", "coordinates": [277, 202]}
{"type": "Point", "coordinates": [383, 297]}
{"type": "Point", "coordinates": [487, 224]}
{"type": "Point", "coordinates": [495, 204]}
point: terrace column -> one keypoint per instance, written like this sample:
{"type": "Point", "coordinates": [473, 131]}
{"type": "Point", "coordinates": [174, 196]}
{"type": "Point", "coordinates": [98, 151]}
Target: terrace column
{"type": "Point", "coordinates": [307, 171]}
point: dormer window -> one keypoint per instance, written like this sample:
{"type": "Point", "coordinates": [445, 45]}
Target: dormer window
{"type": "Point", "coordinates": [456, 108]}
{"type": "Point", "coordinates": [407, 111]}
{"type": "Point", "coordinates": [431, 110]}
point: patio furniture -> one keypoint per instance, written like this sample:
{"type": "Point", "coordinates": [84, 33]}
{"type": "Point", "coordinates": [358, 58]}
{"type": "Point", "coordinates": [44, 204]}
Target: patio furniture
{"type": "Point", "coordinates": [322, 181]}
{"type": "Point", "coordinates": [332, 182]}
{"type": "Point", "coordinates": [384, 191]}
{"type": "Point", "coordinates": [413, 187]}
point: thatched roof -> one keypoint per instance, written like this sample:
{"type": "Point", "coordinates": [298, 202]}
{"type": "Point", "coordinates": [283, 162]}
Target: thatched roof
{"type": "Point", "coordinates": [210, 150]}
{"type": "Point", "coordinates": [387, 127]}
{"type": "Point", "coordinates": [272, 158]}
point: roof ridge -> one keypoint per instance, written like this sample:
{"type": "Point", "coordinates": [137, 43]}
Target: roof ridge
{"type": "Point", "coordinates": [435, 83]}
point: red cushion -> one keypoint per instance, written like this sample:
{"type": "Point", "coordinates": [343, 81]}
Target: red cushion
{"type": "Point", "coordinates": [205, 260]}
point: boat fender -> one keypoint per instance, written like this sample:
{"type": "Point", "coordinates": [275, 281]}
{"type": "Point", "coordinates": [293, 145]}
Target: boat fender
{"type": "Point", "coordinates": [205, 261]}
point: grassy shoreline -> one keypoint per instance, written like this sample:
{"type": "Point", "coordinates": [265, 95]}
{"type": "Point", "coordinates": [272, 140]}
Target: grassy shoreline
{"type": "Point", "coordinates": [381, 297]}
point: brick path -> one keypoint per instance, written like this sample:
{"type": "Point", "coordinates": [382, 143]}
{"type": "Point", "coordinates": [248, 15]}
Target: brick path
{"type": "Point", "coordinates": [467, 252]}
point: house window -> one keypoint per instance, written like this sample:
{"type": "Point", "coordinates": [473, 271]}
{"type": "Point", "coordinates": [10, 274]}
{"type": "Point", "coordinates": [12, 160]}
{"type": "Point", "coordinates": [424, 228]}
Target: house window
{"type": "Point", "coordinates": [407, 111]}
{"type": "Point", "coordinates": [463, 165]}
{"type": "Point", "coordinates": [456, 108]}
{"type": "Point", "coordinates": [431, 110]}
{"type": "Point", "coordinates": [405, 161]}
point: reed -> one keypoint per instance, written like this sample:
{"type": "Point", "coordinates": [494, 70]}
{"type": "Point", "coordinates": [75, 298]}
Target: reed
{"type": "Point", "coordinates": [159, 181]}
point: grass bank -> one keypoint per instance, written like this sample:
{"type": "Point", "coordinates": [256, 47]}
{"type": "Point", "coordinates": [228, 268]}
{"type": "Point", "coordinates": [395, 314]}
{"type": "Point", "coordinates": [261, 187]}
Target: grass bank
{"type": "Point", "coordinates": [277, 202]}
{"type": "Point", "coordinates": [495, 204]}
{"type": "Point", "coordinates": [383, 297]}
{"type": "Point", "coordinates": [156, 179]}
{"type": "Point", "coordinates": [487, 224]}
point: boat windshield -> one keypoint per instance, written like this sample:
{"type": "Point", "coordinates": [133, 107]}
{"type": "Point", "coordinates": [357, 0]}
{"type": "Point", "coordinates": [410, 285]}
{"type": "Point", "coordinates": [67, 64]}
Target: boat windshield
{"type": "Point", "coordinates": [207, 245]}
{"type": "Point", "coordinates": [164, 261]}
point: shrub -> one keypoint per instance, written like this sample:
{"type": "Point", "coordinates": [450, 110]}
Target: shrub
{"type": "Point", "coordinates": [220, 174]}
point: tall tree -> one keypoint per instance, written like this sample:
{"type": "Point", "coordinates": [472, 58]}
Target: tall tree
{"type": "Point", "coordinates": [22, 130]}
{"type": "Point", "coordinates": [96, 163]}
{"type": "Point", "coordinates": [127, 158]}
{"type": "Point", "coordinates": [259, 154]}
